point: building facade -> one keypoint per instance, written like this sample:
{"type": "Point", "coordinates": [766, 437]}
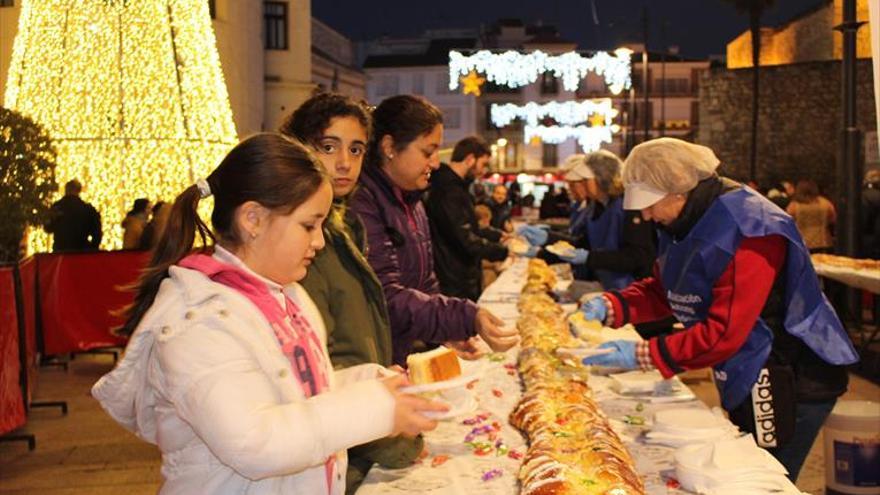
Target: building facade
{"type": "Point", "coordinates": [420, 66]}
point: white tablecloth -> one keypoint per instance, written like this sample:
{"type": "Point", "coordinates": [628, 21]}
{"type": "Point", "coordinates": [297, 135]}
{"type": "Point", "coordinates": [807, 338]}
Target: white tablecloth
{"type": "Point", "coordinates": [865, 279]}
{"type": "Point", "coordinates": [498, 392]}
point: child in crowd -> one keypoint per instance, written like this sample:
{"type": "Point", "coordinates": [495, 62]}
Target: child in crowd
{"type": "Point", "coordinates": [226, 369]}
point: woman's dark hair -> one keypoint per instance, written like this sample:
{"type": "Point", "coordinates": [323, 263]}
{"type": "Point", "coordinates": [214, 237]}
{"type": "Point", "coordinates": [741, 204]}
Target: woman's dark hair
{"type": "Point", "coordinates": [806, 191]}
{"type": "Point", "coordinates": [308, 122]}
{"type": "Point", "coordinates": [404, 118]}
{"type": "Point", "coordinates": [270, 169]}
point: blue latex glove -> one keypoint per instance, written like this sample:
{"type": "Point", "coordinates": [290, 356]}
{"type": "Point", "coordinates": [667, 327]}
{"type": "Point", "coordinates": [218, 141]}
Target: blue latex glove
{"type": "Point", "coordinates": [623, 355]}
{"type": "Point", "coordinates": [595, 309]}
{"type": "Point", "coordinates": [575, 256]}
{"type": "Point", "coordinates": [535, 235]}
{"type": "Point", "coordinates": [532, 252]}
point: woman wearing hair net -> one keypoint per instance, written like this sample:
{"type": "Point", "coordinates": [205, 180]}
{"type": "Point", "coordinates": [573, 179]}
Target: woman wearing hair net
{"type": "Point", "coordinates": [615, 246]}
{"type": "Point", "coordinates": [733, 269]}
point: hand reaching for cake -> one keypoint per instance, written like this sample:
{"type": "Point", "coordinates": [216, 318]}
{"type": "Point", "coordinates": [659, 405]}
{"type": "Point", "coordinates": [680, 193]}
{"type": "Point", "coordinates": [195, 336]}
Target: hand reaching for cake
{"type": "Point", "coordinates": [407, 408]}
{"type": "Point", "coordinates": [492, 330]}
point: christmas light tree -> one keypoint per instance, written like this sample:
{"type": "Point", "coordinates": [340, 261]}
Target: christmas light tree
{"type": "Point", "coordinates": [131, 92]}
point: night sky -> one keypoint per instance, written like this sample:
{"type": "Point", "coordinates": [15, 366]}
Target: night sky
{"type": "Point", "coordinates": [699, 27]}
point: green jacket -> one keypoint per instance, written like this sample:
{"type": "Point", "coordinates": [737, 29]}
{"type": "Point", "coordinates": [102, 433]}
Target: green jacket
{"type": "Point", "coordinates": [351, 301]}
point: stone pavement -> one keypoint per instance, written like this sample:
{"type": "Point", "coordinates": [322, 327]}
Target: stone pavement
{"type": "Point", "coordinates": [86, 452]}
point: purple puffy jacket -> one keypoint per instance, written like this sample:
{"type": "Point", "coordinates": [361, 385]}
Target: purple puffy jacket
{"type": "Point", "coordinates": [399, 250]}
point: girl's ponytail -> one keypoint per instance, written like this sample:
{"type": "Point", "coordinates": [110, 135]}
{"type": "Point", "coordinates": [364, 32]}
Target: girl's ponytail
{"type": "Point", "coordinates": [176, 242]}
{"type": "Point", "coordinates": [270, 169]}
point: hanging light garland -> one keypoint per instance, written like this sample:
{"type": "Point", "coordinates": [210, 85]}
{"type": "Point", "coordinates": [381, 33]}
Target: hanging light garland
{"type": "Point", "coordinates": [570, 117]}
{"type": "Point", "coordinates": [569, 113]}
{"type": "Point", "coordinates": [132, 94]}
{"type": "Point", "coordinates": [590, 138]}
{"type": "Point", "coordinates": [515, 69]}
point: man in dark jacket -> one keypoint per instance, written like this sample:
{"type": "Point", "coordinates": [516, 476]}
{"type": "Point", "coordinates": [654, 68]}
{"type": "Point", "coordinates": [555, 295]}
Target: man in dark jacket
{"type": "Point", "coordinates": [458, 245]}
{"type": "Point", "coordinates": [75, 224]}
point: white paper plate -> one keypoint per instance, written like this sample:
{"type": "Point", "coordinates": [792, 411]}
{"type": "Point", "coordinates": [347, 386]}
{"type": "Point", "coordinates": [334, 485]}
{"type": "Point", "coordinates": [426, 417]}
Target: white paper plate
{"type": "Point", "coordinates": [470, 372]}
{"type": "Point", "coordinates": [466, 406]}
{"type": "Point", "coordinates": [558, 251]}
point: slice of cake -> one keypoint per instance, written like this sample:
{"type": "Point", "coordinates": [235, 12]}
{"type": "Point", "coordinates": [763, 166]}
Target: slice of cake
{"type": "Point", "coordinates": [433, 366]}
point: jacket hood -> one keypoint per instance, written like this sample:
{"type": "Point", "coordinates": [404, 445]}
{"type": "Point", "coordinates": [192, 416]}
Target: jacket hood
{"type": "Point", "coordinates": [377, 180]}
{"type": "Point", "coordinates": [125, 392]}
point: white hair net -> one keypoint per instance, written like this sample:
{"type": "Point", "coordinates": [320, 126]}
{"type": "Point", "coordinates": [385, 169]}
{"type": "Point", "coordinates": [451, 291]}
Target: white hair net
{"type": "Point", "coordinates": [576, 168]}
{"type": "Point", "coordinates": [669, 165]}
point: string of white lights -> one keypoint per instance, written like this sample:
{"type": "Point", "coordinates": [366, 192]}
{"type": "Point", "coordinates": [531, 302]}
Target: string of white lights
{"type": "Point", "coordinates": [568, 113]}
{"type": "Point", "coordinates": [590, 138]}
{"type": "Point", "coordinates": [515, 69]}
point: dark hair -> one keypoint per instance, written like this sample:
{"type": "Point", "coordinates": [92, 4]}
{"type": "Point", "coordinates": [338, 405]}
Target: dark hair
{"type": "Point", "coordinates": [806, 191]}
{"type": "Point", "coordinates": [158, 206]}
{"type": "Point", "coordinates": [404, 118]}
{"type": "Point", "coordinates": [140, 205]}
{"type": "Point", "coordinates": [308, 122]}
{"type": "Point", "coordinates": [471, 145]}
{"type": "Point", "coordinates": [273, 170]}
{"type": "Point", "coordinates": [72, 187]}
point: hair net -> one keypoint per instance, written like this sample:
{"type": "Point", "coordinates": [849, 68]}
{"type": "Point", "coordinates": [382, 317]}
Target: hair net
{"type": "Point", "coordinates": [669, 165]}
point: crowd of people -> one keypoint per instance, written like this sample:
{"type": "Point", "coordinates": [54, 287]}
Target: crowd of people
{"type": "Point", "coordinates": [270, 361]}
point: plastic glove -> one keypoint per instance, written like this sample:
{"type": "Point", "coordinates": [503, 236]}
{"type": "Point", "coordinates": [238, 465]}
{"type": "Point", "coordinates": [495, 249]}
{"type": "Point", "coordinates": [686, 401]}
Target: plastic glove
{"type": "Point", "coordinates": [575, 256]}
{"type": "Point", "coordinates": [531, 252]}
{"type": "Point", "coordinates": [535, 235]}
{"type": "Point", "coordinates": [595, 309]}
{"type": "Point", "coordinates": [622, 355]}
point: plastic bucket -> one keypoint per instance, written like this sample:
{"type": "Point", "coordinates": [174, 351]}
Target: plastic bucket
{"type": "Point", "coordinates": [852, 448]}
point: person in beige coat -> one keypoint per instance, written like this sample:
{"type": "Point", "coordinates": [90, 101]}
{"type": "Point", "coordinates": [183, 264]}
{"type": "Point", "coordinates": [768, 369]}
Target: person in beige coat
{"type": "Point", "coordinates": [227, 368]}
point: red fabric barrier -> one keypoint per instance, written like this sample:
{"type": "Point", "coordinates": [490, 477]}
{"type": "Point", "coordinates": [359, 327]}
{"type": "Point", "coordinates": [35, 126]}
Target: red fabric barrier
{"type": "Point", "coordinates": [11, 403]}
{"type": "Point", "coordinates": [27, 269]}
{"type": "Point", "coordinates": [77, 294]}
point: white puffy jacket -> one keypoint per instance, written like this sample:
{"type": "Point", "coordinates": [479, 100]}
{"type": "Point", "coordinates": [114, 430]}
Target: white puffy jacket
{"type": "Point", "coordinates": [203, 377]}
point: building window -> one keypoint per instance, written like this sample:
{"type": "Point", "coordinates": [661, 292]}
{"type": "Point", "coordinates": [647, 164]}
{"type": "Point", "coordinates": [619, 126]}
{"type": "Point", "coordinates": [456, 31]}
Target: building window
{"type": "Point", "coordinates": [695, 113]}
{"type": "Point", "coordinates": [550, 155]}
{"type": "Point", "coordinates": [549, 84]}
{"type": "Point", "coordinates": [640, 115]}
{"type": "Point", "coordinates": [677, 86]}
{"type": "Point", "coordinates": [489, 125]}
{"type": "Point", "coordinates": [387, 86]}
{"type": "Point", "coordinates": [212, 8]}
{"type": "Point", "coordinates": [495, 88]}
{"type": "Point", "coordinates": [7, 3]}
{"type": "Point", "coordinates": [275, 25]}
{"type": "Point", "coordinates": [451, 118]}
{"type": "Point", "coordinates": [418, 84]}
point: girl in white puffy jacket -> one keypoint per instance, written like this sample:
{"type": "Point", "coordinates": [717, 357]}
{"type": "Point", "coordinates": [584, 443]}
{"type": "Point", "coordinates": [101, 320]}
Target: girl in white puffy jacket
{"type": "Point", "coordinates": [226, 369]}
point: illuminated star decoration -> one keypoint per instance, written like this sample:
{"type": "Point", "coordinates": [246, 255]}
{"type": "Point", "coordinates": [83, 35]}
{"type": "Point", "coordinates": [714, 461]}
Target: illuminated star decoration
{"type": "Point", "coordinates": [472, 83]}
{"type": "Point", "coordinates": [132, 94]}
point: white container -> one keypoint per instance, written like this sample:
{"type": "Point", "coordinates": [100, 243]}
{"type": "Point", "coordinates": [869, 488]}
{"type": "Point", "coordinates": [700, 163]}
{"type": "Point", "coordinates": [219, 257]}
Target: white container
{"type": "Point", "coordinates": [852, 448]}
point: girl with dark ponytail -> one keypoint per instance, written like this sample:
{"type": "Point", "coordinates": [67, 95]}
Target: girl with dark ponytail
{"type": "Point", "coordinates": [226, 369]}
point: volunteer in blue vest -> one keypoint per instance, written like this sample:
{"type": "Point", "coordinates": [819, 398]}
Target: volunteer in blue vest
{"type": "Point", "coordinates": [733, 269]}
{"type": "Point", "coordinates": [613, 246]}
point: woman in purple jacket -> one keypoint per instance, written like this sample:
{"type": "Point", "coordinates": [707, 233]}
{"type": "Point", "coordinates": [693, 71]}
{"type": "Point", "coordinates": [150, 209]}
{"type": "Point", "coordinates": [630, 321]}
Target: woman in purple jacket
{"type": "Point", "coordinates": [407, 133]}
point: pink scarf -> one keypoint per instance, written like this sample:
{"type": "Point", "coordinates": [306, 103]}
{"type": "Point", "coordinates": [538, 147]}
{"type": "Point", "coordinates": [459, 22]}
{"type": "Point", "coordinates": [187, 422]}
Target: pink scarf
{"type": "Point", "coordinates": [299, 342]}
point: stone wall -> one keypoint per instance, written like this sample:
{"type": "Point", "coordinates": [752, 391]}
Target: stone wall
{"type": "Point", "coordinates": [808, 37]}
{"type": "Point", "coordinates": [799, 119]}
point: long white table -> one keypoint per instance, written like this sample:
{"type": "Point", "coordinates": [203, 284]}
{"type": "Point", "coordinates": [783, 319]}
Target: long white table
{"type": "Point", "coordinates": [497, 392]}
